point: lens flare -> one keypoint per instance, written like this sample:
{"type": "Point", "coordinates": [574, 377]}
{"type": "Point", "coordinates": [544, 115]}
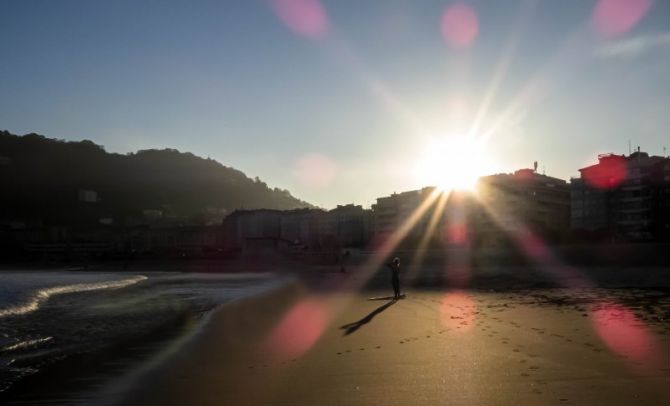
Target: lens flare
{"type": "Point", "coordinates": [607, 174]}
{"type": "Point", "coordinates": [624, 334]}
{"type": "Point", "coordinates": [458, 311]}
{"type": "Point", "coordinates": [298, 330]}
{"type": "Point", "coordinates": [454, 162]}
{"type": "Point", "coordinates": [460, 25]}
{"type": "Point", "coordinates": [612, 18]}
{"type": "Point", "coordinates": [315, 170]}
{"type": "Point", "coordinates": [306, 18]}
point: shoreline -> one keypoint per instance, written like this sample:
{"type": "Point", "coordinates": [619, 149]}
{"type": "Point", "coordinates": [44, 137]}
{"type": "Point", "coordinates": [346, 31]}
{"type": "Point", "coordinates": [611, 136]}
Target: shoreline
{"type": "Point", "coordinates": [61, 371]}
{"type": "Point", "coordinates": [592, 254]}
{"type": "Point", "coordinates": [62, 377]}
{"type": "Point", "coordinates": [234, 331]}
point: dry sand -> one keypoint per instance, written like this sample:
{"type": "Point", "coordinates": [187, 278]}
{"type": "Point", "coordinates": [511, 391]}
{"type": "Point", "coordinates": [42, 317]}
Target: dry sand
{"type": "Point", "coordinates": [435, 347]}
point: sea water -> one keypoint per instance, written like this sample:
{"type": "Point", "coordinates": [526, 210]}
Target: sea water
{"type": "Point", "coordinates": [46, 316]}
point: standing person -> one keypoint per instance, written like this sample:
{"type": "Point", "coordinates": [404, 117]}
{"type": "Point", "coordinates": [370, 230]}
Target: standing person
{"type": "Point", "coordinates": [345, 256]}
{"type": "Point", "coordinates": [395, 276]}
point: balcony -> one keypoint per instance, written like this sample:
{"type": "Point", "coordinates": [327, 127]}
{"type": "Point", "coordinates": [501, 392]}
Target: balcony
{"type": "Point", "coordinates": [633, 209]}
{"type": "Point", "coordinates": [630, 187]}
{"type": "Point", "coordinates": [629, 199]}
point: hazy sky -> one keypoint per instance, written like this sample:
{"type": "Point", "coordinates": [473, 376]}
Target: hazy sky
{"type": "Point", "coordinates": [335, 100]}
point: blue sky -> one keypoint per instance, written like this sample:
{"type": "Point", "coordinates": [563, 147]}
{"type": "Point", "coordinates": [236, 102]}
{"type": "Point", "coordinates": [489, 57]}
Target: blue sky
{"type": "Point", "coordinates": [232, 81]}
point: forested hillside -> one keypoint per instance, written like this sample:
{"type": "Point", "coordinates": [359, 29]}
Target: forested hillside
{"type": "Point", "coordinates": [41, 179]}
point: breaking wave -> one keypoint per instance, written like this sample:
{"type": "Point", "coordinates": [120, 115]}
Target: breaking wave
{"type": "Point", "coordinates": [44, 294]}
{"type": "Point", "coordinates": [26, 344]}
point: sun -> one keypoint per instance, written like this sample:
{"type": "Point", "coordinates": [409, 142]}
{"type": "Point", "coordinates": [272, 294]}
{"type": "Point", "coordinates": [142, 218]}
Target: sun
{"type": "Point", "coordinates": [453, 162]}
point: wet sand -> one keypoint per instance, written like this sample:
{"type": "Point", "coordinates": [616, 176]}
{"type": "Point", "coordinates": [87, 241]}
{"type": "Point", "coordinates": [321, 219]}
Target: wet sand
{"type": "Point", "coordinates": [293, 347]}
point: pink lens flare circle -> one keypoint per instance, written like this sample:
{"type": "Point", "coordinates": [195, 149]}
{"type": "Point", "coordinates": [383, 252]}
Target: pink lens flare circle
{"type": "Point", "coordinates": [457, 233]}
{"type": "Point", "coordinates": [612, 18]}
{"type": "Point", "coordinates": [608, 174]}
{"type": "Point", "coordinates": [298, 330]}
{"type": "Point", "coordinates": [534, 247]}
{"type": "Point", "coordinates": [625, 334]}
{"type": "Point", "coordinates": [315, 170]}
{"type": "Point", "coordinates": [459, 25]}
{"type": "Point", "coordinates": [306, 18]}
{"type": "Point", "coordinates": [458, 311]}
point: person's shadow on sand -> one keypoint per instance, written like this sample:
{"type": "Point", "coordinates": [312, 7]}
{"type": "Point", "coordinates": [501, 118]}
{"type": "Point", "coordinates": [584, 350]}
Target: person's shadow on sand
{"type": "Point", "coordinates": [352, 327]}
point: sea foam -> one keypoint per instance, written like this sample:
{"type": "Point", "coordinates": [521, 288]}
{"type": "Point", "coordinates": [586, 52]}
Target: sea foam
{"type": "Point", "coordinates": [44, 294]}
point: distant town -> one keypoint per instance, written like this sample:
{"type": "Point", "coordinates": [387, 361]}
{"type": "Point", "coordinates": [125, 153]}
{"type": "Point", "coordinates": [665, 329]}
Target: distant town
{"type": "Point", "coordinates": [617, 199]}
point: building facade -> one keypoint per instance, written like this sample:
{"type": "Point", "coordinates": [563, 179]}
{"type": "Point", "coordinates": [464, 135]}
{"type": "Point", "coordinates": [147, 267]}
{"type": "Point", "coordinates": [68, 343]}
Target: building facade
{"type": "Point", "coordinates": [623, 197]}
{"type": "Point", "coordinates": [307, 229]}
{"type": "Point", "coordinates": [522, 201]}
{"type": "Point", "coordinates": [391, 212]}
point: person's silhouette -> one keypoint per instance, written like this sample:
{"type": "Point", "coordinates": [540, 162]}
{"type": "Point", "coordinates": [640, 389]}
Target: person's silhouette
{"type": "Point", "coordinates": [395, 276]}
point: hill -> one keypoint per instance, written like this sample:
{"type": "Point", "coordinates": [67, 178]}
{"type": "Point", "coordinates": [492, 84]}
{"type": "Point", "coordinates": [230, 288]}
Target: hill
{"type": "Point", "coordinates": [54, 182]}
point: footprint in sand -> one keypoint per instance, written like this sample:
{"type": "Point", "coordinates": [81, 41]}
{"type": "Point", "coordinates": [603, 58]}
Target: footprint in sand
{"type": "Point", "coordinates": [378, 347]}
{"type": "Point", "coordinates": [524, 374]}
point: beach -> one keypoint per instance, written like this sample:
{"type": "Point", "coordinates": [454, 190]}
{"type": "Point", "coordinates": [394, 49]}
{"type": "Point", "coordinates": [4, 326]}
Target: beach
{"type": "Point", "coordinates": [297, 346]}
{"type": "Point", "coordinates": [311, 334]}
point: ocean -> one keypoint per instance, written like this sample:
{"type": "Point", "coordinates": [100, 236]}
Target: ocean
{"type": "Point", "coordinates": [49, 316]}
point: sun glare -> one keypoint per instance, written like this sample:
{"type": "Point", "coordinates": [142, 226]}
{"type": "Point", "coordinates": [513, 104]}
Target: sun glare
{"type": "Point", "coordinates": [453, 162]}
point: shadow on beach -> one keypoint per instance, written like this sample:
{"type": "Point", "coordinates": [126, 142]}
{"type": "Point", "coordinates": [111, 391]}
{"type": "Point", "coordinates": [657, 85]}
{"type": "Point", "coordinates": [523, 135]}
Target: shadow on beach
{"type": "Point", "coordinates": [352, 327]}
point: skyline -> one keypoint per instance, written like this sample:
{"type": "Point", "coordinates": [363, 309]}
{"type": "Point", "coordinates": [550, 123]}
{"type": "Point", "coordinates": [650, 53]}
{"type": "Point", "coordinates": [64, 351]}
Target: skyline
{"type": "Point", "coordinates": [341, 108]}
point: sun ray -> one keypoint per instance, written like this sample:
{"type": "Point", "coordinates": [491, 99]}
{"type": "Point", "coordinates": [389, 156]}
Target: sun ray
{"type": "Point", "coordinates": [614, 324]}
{"type": "Point", "coordinates": [527, 10]}
{"type": "Point", "coordinates": [535, 249]}
{"type": "Point", "coordinates": [420, 251]}
{"type": "Point", "coordinates": [575, 50]}
{"type": "Point", "coordinates": [343, 54]}
{"type": "Point", "coordinates": [302, 325]}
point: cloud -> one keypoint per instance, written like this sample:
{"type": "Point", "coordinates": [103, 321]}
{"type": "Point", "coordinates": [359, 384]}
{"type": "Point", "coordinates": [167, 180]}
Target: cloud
{"type": "Point", "coordinates": [634, 47]}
